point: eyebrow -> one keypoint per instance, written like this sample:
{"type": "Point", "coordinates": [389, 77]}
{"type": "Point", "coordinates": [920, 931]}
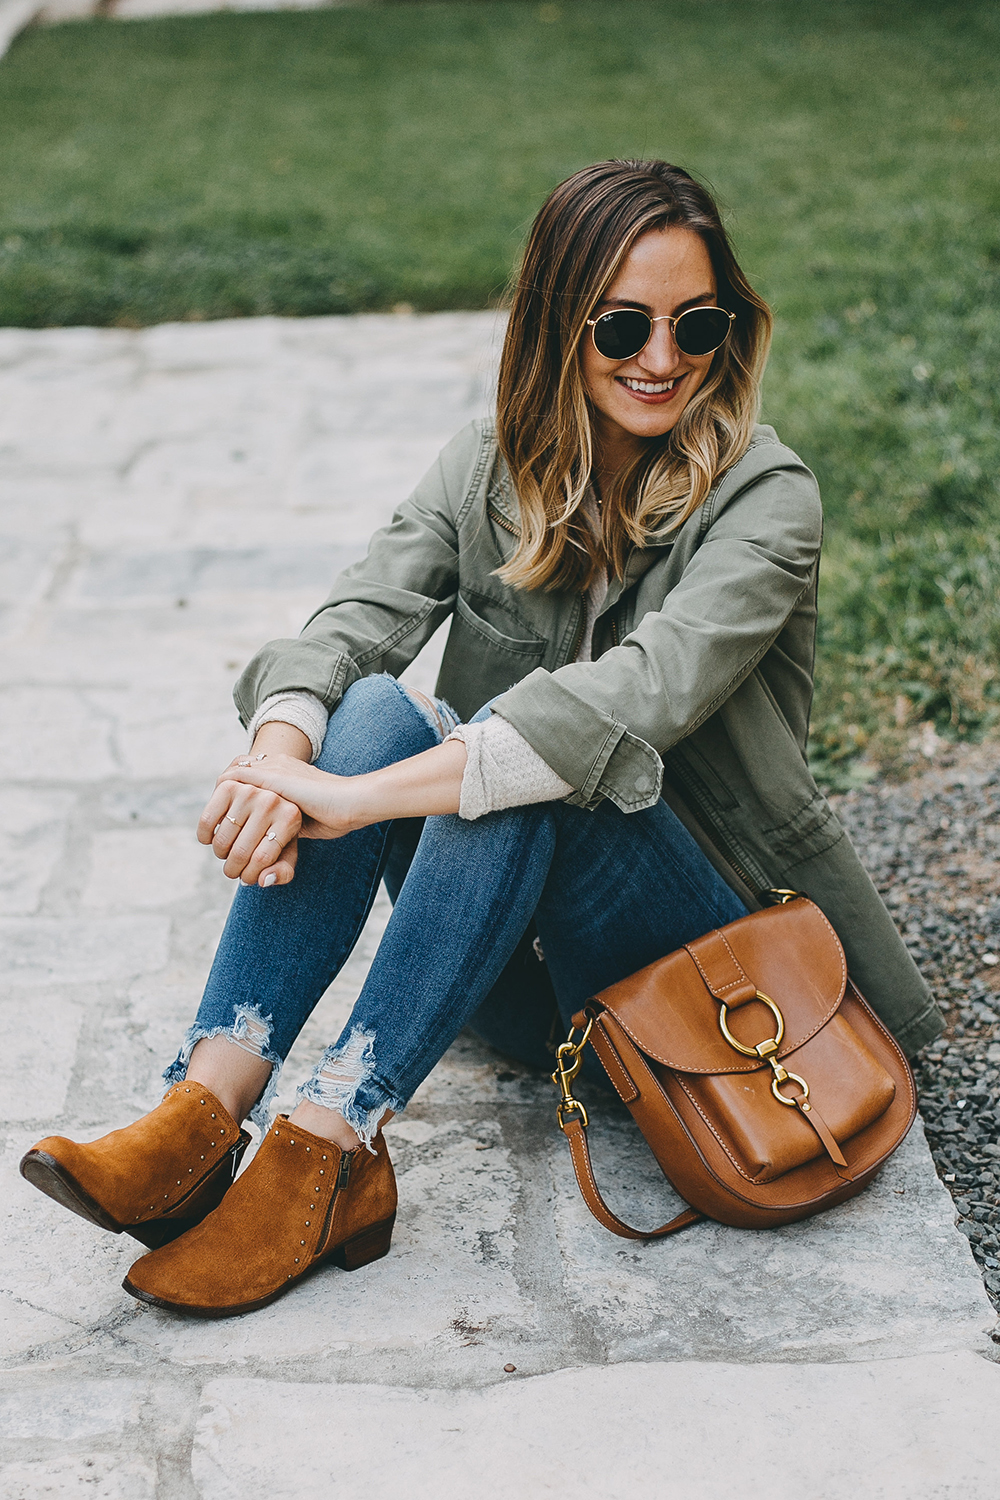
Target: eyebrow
{"type": "Point", "coordinates": [699, 301]}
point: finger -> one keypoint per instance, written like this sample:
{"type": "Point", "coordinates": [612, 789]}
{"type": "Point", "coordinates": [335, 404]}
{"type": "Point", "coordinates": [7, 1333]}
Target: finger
{"type": "Point", "coordinates": [215, 810]}
{"type": "Point", "coordinates": [264, 811]}
{"type": "Point", "coordinates": [282, 872]}
{"type": "Point", "coordinates": [281, 831]}
{"type": "Point", "coordinates": [230, 826]}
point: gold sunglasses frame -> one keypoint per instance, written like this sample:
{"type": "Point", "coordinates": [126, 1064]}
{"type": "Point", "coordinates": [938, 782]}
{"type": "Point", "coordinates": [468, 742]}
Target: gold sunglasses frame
{"type": "Point", "coordinates": [663, 318]}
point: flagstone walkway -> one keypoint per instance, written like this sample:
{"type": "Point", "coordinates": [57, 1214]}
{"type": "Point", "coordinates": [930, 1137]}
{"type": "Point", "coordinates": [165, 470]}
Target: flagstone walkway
{"type": "Point", "coordinates": [169, 499]}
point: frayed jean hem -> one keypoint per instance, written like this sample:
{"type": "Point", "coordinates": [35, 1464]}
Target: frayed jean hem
{"type": "Point", "coordinates": [344, 1079]}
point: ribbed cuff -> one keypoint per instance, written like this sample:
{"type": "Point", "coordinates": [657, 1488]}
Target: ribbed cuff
{"type": "Point", "coordinates": [302, 710]}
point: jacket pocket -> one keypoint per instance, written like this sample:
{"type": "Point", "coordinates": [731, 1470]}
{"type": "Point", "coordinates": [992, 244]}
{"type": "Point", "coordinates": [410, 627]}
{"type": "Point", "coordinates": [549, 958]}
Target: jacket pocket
{"type": "Point", "coordinates": [480, 661]}
{"type": "Point", "coordinates": [516, 645]}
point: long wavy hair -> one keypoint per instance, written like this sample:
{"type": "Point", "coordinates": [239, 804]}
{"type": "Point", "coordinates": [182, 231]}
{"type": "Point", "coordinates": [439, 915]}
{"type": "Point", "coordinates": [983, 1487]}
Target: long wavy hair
{"type": "Point", "coordinates": [579, 240]}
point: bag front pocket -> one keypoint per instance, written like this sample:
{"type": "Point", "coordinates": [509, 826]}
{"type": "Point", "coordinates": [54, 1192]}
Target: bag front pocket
{"type": "Point", "coordinates": [765, 1139]}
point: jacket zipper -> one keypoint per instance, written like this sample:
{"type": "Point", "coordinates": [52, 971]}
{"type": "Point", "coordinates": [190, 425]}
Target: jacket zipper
{"type": "Point", "coordinates": [343, 1178]}
{"type": "Point", "coordinates": [578, 638]}
{"type": "Point", "coordinates": [503, 521]}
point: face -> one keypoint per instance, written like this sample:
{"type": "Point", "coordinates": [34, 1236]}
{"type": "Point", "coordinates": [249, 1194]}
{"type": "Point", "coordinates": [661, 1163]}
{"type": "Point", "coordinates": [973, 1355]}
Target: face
{"type": "Point", "coordinates": [666, 272]}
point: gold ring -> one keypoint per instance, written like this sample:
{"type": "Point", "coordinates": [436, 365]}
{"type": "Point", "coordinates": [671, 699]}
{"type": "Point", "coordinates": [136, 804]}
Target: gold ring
{"type": "Point", "coordinates": [233, 821]}
{"type": "Point", "coordinates": [754, 1051]}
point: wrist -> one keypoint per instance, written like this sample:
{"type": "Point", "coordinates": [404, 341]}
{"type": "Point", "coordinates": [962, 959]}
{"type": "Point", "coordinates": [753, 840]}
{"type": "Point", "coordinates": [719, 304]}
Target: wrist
{"type": "Point", "coordinates": [279, 738]}
{"type": "Point", "coordinates": [365, 800]}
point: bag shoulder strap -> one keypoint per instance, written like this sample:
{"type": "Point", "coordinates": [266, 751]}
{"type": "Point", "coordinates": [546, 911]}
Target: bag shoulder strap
{"type": "Point", "coordinates": [575, 1132]}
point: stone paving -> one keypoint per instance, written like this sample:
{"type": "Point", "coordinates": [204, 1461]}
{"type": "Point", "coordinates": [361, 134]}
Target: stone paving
{"type": "Point", "coordinates": [171, 498]}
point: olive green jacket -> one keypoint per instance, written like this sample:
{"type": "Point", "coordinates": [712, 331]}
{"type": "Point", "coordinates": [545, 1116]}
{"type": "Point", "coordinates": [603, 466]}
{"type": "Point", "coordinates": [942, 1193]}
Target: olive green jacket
{"type": "Point", "coordinates": [699, 690]}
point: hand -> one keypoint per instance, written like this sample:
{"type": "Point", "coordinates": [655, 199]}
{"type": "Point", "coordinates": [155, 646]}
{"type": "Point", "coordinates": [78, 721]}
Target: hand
{"type": "Point", "coordinates": [255, 832]}
{"type": "Point", "coordinates": [326, 805]}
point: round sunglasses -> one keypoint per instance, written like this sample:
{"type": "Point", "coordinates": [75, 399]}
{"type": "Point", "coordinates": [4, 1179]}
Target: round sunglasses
{"type": "Point", "coordinates": [626, 330]}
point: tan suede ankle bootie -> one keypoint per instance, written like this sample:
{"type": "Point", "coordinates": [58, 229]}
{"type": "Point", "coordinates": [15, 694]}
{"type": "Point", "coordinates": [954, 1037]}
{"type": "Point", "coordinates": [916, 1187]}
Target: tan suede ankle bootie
{"type": "Point", "coordinates": [300, 1203]}
{"type": "Point", "coordinates": [154, 1179]}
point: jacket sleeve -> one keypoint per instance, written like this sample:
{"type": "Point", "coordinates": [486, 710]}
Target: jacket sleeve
{"type": "Point", "coordinates": [381, 610]}
{"type": "Point", "coordinates": [604, 725]}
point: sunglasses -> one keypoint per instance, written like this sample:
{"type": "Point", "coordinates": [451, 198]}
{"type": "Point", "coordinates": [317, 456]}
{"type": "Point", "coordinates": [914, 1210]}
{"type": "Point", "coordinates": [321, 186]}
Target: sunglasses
{"type": "Point", "coordinates": [625, 331]}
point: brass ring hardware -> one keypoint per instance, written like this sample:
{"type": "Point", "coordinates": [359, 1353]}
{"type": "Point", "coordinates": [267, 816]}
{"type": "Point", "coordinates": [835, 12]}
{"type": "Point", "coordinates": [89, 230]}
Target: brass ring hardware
{"type": "Point", "coordinates": [776, 1083]}
{"type": "Point", "coordinates": [767, 1051]}
{"type": "Point", "coordinates": [771, 1045]}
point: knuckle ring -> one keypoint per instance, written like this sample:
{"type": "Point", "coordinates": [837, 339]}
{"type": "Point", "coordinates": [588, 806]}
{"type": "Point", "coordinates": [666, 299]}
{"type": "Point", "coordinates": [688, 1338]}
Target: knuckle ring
{"type": "Point", "coordinates": [233, 821]}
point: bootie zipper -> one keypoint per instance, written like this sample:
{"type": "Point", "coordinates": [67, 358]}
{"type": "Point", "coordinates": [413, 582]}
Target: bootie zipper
{"type": "Point", "coordinates": [343, 1178]}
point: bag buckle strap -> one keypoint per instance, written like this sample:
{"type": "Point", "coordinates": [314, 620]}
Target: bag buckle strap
{"type": "Point", "coordinates": [767, 1050]}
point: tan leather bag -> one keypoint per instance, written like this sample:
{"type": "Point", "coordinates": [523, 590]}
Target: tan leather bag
{"type": "Point", "coordinates": [766, 1087]}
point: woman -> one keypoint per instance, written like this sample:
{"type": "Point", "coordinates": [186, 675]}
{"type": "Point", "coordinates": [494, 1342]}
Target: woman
{"type": "Point", "coordinates": [630, 568]}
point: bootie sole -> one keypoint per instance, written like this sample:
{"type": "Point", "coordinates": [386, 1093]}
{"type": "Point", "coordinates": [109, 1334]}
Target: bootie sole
{"type": "Point", "coordinates": [50, 1177]}
{"type": "Point", "coordinates": [372, 1244]}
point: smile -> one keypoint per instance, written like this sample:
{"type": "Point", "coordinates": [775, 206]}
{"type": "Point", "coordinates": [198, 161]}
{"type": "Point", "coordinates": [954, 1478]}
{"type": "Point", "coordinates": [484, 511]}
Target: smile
{"type": "Point", "coordinates": [649, 387]}
{"type": "Point", "coordinates": [650, 392]}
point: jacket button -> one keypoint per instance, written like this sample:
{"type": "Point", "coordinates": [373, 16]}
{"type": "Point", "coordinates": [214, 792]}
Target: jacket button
{"type": "Point", "coordinates": [643, 783]}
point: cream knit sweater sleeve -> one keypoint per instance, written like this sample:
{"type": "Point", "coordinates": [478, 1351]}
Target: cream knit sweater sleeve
{"type": "Point", "coordinates": [502, 770]}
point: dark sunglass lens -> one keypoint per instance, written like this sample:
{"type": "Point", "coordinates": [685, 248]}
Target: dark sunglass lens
{"type": "Point", "coordinates": [619, 335]}
{"type": "Point", "coordinates": [701, 330]}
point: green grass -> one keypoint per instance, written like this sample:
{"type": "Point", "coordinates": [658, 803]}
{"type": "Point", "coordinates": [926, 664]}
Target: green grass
{"type": "Point", "coordinates": [344, 160]}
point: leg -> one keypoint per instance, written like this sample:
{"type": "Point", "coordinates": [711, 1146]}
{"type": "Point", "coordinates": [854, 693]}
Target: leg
{"type": "Point", "coordinates": [640, 885]}
{"type": "Point", "coordinates": [281, 948]}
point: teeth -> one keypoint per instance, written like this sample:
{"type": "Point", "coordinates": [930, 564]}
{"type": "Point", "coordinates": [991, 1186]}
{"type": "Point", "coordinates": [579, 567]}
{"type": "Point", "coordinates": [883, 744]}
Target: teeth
{"type": "Point", "coordinates": [650, 387]}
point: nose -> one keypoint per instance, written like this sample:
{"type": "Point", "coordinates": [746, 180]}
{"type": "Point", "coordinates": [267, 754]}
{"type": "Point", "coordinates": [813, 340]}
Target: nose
{"type": "Point", "coordinates": [661, 355]}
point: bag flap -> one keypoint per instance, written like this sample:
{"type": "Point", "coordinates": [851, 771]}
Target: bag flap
{"type": "Point", "coordinates": [790, 953]}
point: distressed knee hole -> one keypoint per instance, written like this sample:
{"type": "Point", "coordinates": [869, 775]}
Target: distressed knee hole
{"type": "Point", "coordinates": [438, 715]}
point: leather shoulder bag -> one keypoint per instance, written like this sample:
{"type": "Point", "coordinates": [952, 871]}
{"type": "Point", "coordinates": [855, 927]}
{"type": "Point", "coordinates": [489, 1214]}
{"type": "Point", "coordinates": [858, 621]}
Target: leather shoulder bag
{"type": "Point", "coordinates": [765, 1085]}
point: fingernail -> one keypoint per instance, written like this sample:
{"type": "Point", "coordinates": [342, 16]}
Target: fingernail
{"type": "Point", "coordinates": [269, 880]}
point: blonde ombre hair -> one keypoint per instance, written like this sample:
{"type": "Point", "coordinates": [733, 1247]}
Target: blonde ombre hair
{"type": "Point", "coordinates": [579, 240]}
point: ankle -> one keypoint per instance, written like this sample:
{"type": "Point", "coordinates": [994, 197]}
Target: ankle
{"type": "Point", "coordinates": [237, 1078]}
{"type": "Point", "coordinates": [326, 1123]}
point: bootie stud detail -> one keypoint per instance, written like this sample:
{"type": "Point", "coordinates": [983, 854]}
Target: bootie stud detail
{"type": "Point", "coordinates": [302, 1203]}
{"type": "Point", "coordinates": [156, 1178]}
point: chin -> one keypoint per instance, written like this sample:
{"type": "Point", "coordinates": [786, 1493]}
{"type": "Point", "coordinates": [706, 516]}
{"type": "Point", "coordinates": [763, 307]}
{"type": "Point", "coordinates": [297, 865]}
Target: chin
{"type": "Point", "coordinates": [648, 425]}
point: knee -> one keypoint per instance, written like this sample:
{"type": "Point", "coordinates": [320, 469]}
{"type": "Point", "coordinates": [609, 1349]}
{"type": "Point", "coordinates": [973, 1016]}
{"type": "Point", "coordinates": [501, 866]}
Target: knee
{"type": "Point", "coordinates": [376, 722]}
{"type": "Point", "coordinates": [373, 692]}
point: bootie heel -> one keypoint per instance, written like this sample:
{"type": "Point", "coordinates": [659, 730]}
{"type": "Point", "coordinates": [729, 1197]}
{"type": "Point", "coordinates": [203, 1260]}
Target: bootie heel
{"type": "Point", "coordinates": [302, 1203]}
{"type": "Point", "coordinates": [365, 1248]}
{"type": "Point", "coordinates": [154, 1180]}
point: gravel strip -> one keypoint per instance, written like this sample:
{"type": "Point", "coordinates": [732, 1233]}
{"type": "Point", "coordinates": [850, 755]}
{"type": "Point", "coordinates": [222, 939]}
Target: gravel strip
{"type": "Point", "coordinates": [932, 846]}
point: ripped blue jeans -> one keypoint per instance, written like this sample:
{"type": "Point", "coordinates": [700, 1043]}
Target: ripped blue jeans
{"type": "Point", "coordinates": [604, 893]}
